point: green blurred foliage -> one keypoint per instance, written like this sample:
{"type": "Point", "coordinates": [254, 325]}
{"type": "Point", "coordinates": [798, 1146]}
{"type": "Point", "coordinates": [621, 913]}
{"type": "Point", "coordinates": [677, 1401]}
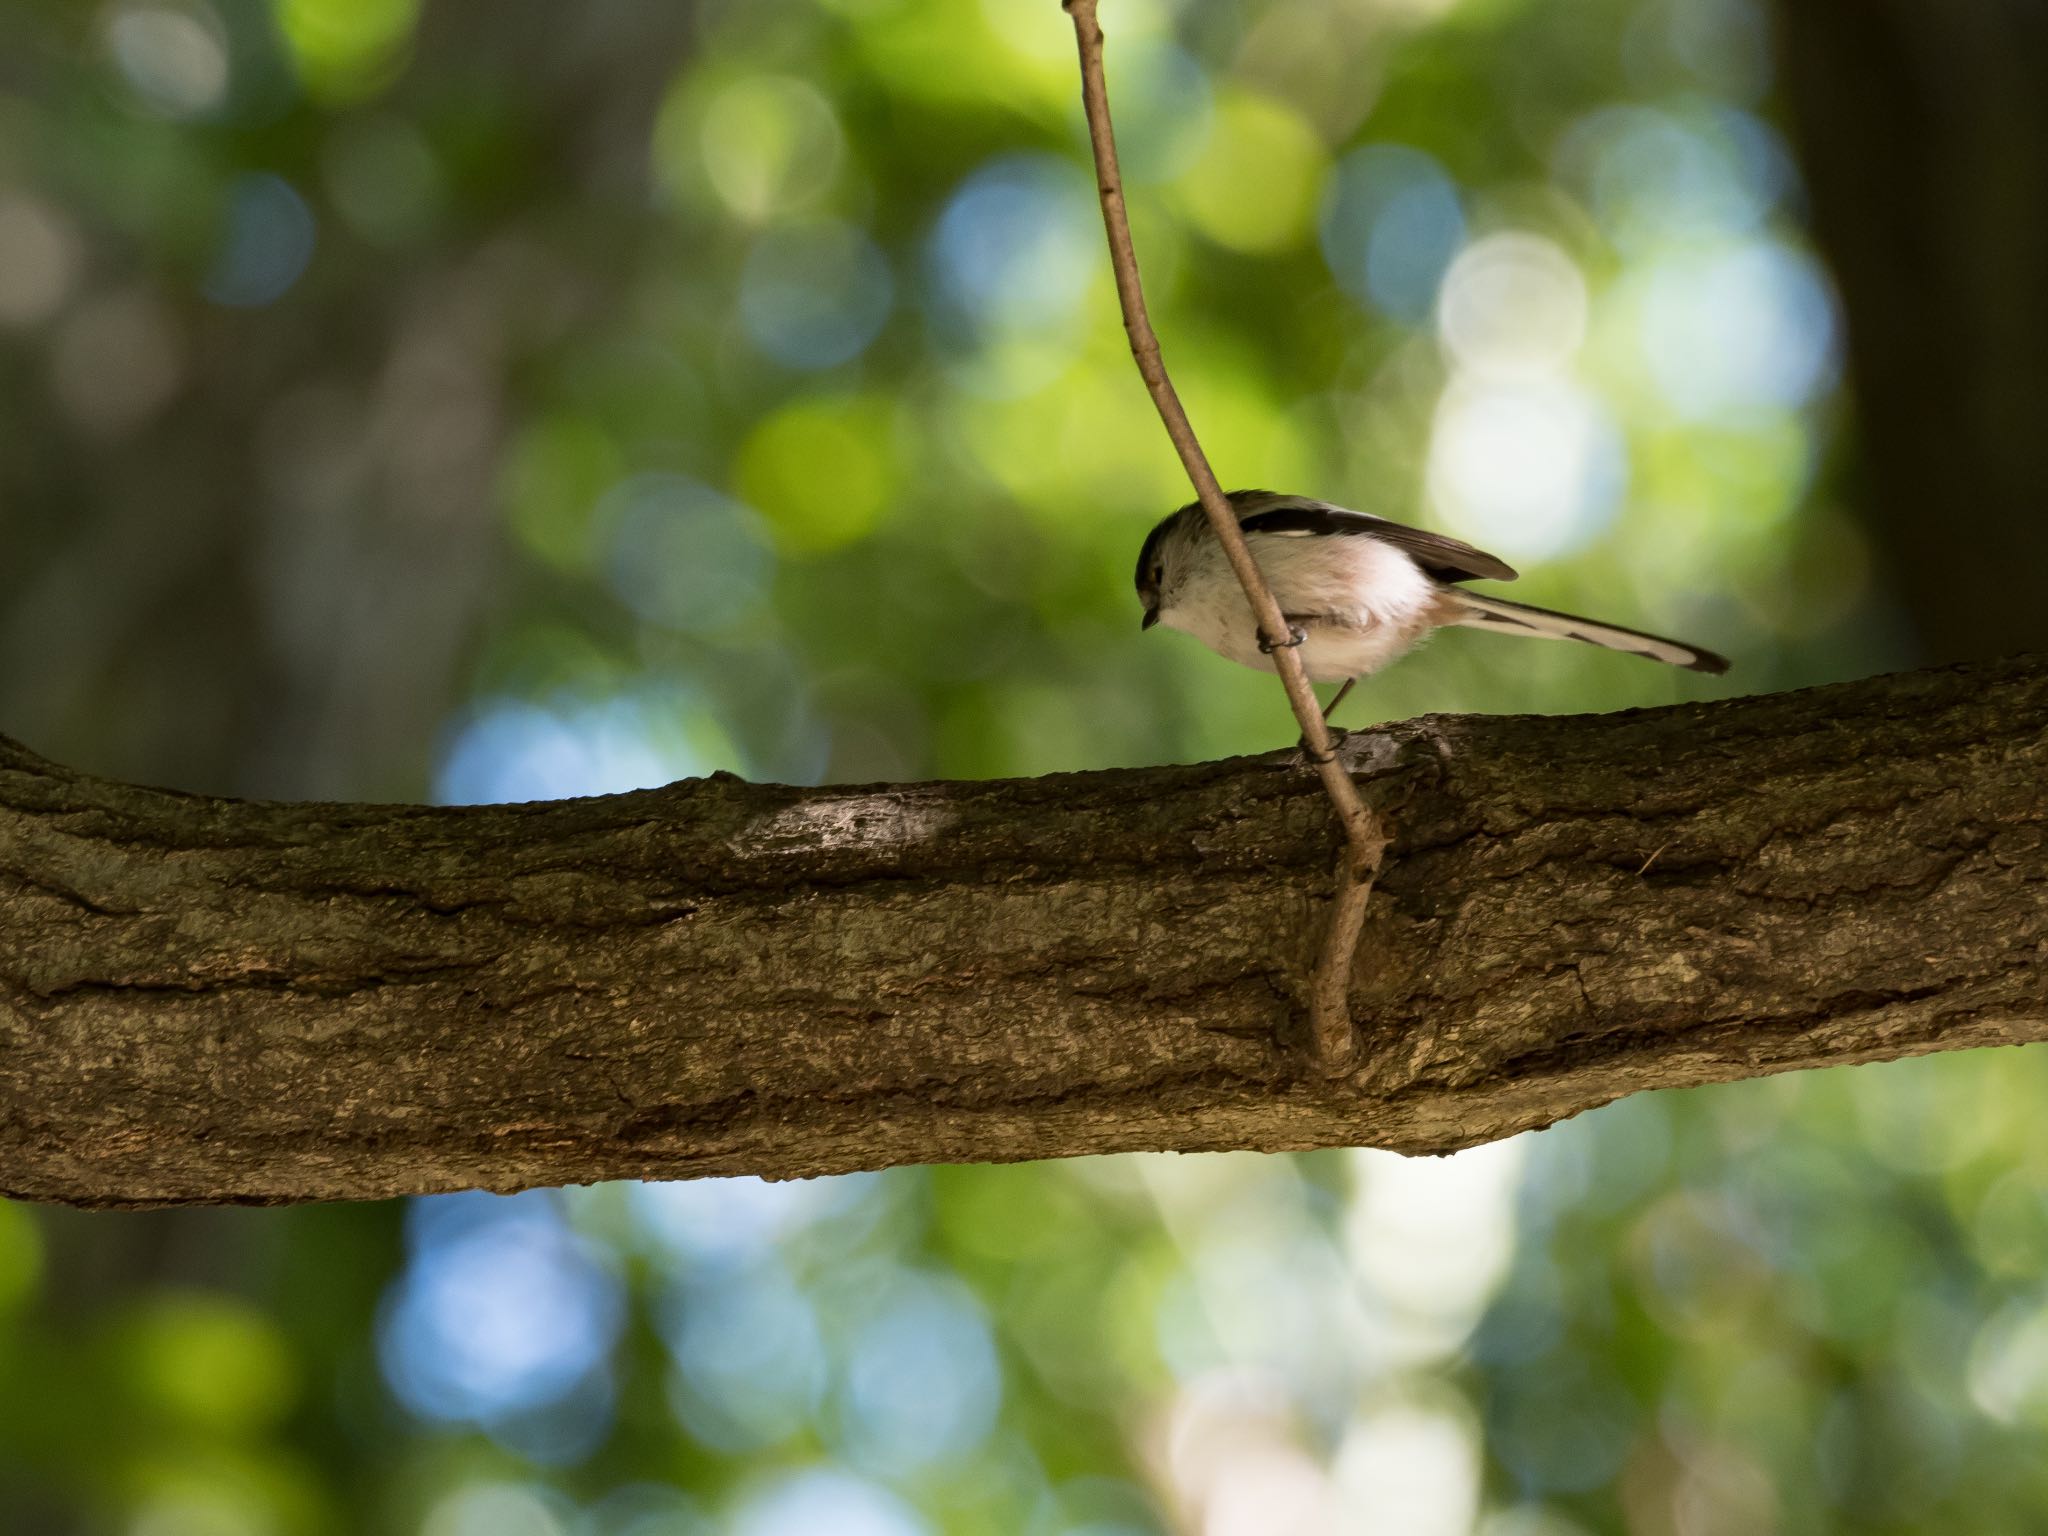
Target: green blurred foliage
{"type": "Point", "coordinates": [533, 400]}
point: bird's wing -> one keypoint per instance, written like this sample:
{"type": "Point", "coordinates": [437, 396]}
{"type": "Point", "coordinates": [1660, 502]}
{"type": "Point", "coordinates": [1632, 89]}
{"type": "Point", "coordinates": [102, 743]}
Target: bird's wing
{"type": "Point", "coordinates": [1445, 558]}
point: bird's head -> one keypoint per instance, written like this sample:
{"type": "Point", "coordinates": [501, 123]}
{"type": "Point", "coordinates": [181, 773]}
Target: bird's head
{"type": "Point", "coordinates": [1164, 560]}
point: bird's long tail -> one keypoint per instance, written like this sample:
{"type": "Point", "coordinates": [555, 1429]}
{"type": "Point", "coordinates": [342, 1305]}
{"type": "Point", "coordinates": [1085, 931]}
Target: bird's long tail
{"type": "Point", "coordinates": [1506, 618]}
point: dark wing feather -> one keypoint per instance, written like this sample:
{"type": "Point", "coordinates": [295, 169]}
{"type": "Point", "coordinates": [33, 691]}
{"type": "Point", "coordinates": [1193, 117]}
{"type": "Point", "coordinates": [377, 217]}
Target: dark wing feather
{"type": "Point", "coordinates": [1445, 558]}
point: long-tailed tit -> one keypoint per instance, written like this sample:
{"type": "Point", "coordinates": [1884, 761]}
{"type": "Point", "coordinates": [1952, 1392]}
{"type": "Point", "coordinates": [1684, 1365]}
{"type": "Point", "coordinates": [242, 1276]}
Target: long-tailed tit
{"type": "Point", "coordinates": [1358, 591]}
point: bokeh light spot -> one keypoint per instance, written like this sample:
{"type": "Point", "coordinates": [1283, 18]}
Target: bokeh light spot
{"type": "Point", "coordinates": [1391, 222]}
{"type": "Point", "coordinates": [2008, 1365]}
{"type": "Point", "coordinates": [1243, 424]}
{"type": "Point", "coordinates": [681, 555]}
{"type": "Point", "coordinates": [1513, 305]}
{"type": "Point", "coordinates": [206, 1495]}
{"type": "Point", "coordinates": [1165, 108]}
{"type": "Point", "coordinates": [809, 1503]}
{"type": "Point", "coordinates": [117, 361]}
{"type": "Point", "coordinates": [1416, 1468]}
{"type": "Point", "coordinates": [1656, 178]}
{"type": "Point", "coordinates": [1735, 330]}
{"type": "Point", "coordinates": [554, 479]}
{"type": "Point", "coordinates": [922, 1383]}
{"type": "Point", "coordinates": [21, 1255]}
{"type": "Point", "coordinates": [770, 144]}
{"type": "Point", "coordinates": [383, 178]}
{"type": "Point", "coordinates": [1234, 1463]}
{"type": "Point", "coordinates": [1015, 248]}
{"type": "Point", "coordinates": [496, 1509]}
{"type": "Point", "coordinates": [1724, 44]}
{"type": "Point", "coordinates": [1562, 1426]}
{"type": "Point", "coordinates": [513, 750]}
{"type": "Point", "coordinates": [750, 1359]}
{"type": "Point", "coordinates": [644, 1509]}
{"type": "Point", "coordinates": [1255, 184]}
{"type": "Point", "coordinates": [1530, 470]}
{"type": "Point", "coordinates": [1138, 23]}
{"type": "Point", "coordinates": [39, 260]}
{"type": "Point", "coordinates": [821, 471]}
{"type": "Point", "coordinates": [173, 56]}
{"type": "Point", "coordinates": [497, 1315]}
{"type": "Point", "coordinates": [211, 1363]}
{"type": "Point", "coordinates": [739, 1220]}
{"type": "Point", "coordinates": [346, 49]}
{"type": "Point", "coordinates": [265, 242]}
{"type": "Point", "coordinates": [815, 295]}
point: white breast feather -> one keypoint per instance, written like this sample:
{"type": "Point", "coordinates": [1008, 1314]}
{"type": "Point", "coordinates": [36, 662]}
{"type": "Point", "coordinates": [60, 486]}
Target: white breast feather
{"type": "Point", "coordinates": [1372, 602]}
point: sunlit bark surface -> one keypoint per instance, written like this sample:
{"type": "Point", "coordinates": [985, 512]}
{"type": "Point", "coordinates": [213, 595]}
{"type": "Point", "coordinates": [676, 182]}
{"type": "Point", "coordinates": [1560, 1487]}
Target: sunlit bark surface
{"type": "Point", "coordinates": [209, 1000]}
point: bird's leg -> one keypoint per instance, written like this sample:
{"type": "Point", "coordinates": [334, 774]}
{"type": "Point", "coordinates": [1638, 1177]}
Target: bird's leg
{"type": "Point", "coordinates": [1297, 634]}
{"type": "Point", "coordinates": [1337, 733]}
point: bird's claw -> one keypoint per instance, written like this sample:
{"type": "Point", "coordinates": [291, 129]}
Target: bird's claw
{"type": "Point", "coordinates": [1336, 742]}
{"type": "Point", "coordinates": [1296, 635]}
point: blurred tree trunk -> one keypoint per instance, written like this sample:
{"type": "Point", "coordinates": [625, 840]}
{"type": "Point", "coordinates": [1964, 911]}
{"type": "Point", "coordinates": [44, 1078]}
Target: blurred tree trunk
{"type": "Point", "coordinates": [1924, 134]}
{"type": "Point", "coordinates": [266, 583]}
{"type": "Point", "coordinates": [205, 1000]}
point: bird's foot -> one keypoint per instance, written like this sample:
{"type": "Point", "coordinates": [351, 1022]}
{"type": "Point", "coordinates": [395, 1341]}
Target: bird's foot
{"type": "Point", "coordinates": [1337, 736]}
{"type": "Point", "coordinates": [1296, 635]}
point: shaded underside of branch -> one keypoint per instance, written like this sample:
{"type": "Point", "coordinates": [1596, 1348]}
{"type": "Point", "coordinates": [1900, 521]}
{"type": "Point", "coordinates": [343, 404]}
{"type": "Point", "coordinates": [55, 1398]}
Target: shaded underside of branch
{"type": "Point", "coordinates": [205, 1000]}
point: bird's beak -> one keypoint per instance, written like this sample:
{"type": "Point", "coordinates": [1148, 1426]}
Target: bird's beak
{"type": "Point", "coordinates": [1151, 618]}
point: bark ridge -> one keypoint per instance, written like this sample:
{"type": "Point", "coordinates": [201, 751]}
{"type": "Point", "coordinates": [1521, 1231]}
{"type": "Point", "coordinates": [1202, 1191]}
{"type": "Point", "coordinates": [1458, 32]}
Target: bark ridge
{"type": "Point", "coordinates": [206, 1000]}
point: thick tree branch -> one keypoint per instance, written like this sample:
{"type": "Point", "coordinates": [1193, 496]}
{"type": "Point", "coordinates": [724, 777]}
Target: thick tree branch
{"type": "Point", "coordinates": [205, 1000]}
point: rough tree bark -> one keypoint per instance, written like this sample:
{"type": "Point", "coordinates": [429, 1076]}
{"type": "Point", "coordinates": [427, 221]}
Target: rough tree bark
{"type": "Point", "coordinates": [206, 1000]}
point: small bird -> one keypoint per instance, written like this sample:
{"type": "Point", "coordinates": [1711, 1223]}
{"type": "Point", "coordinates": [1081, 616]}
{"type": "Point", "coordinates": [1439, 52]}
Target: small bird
{"type": "Point", "coordinates": [1358, 591]}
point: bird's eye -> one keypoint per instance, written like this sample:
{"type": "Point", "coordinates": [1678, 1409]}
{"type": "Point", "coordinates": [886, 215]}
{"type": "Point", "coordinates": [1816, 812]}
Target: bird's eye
{"type": "Point", "coordinates": [1158, 574]}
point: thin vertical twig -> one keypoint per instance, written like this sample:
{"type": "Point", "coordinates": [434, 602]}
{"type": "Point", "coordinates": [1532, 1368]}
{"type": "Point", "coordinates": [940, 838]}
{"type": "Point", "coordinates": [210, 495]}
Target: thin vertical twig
{"type": "Point", "coordinates": [1332, 1037]}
